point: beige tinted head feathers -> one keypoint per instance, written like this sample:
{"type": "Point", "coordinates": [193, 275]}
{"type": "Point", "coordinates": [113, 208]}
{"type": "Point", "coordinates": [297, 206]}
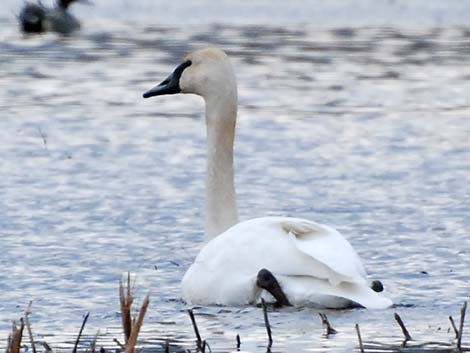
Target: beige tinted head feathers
{"type": "Point", "coordinates": [206, 72]}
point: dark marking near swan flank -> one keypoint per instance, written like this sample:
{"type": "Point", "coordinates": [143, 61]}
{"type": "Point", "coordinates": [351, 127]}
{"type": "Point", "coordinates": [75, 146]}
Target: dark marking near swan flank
{"type": "Point", "coordinates": [171, 84]}
{"type": "Point", "coordinates": [267, 281]}
{"type": "Point", "coordinates": [377, 286]}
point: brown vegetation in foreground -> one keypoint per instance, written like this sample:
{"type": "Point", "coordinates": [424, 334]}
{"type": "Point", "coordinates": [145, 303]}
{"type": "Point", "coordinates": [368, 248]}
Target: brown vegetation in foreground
{"type": "Point", "coordinates": [132, 325]}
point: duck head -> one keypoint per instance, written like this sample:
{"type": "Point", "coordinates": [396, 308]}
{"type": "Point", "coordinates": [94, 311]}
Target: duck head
{"type": "Point", "coordinates": [32, 18]}
{"type": "Point", "coordinates": [64, 4]}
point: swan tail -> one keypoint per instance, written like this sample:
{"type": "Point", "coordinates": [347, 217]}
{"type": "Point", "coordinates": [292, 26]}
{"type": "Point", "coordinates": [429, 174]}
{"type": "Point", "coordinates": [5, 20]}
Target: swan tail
{"type": "Point", "coordinates": [303, 290]}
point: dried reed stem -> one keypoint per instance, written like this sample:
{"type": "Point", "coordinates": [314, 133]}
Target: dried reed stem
{"type": "Point", "coordinates": [403, 328]}
{"type": "Point", "coordinates": [7, 350]}
{"type": "Point", "coordinates": [46, 347]}
{"type": "Point", "coordinates": [196, 330]}
{"type": "Point", "coordinates": [126, 299]}
{"type": "Point", "coordinates": [204, 344]}
{"type": "Point", "coordinates": [93, 343]}
{"type": "Point", "coordinates": [119, 344]}
{"type": "Point", "coordinates": [462, 319]}
{"type": "Point", "coordinates": [167, 346]}
{"type": "Point", "coordinates": [80, 333]}
{"type": "Point", "coordinates": [16, 336]}
{"type": "Point", "coordinates": [28, 326]}
{"type": "Point", "coordinates": [456, 331]}
{"type": "Point", "coordinates": [130, 345]}
{"type": "Point", "coordinates": [361, 346]}
{"type": "Point", "coordinates": [266, 323]}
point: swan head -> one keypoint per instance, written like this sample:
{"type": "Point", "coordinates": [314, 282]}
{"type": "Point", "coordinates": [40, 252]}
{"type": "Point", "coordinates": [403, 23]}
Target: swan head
{"type": "Point", "coordinates": [206, 72]}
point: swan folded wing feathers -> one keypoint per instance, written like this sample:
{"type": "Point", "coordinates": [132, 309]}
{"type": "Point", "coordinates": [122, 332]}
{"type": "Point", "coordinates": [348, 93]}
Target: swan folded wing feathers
{"type": "Point", "coordinates": [311, 249]}
{"type": "Point", "coordinates": [327, 246]}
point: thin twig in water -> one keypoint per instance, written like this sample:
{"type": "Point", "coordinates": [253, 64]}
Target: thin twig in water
{"type": "Point", "coordinates": [361, 346]}
{"type": "Point", "coordinates": [327, 329]}
{"type": "Point", "coordinates": [456, 331]}
{"type": "Point", "coordinates": [80, 333]}
{"type": "Point", "coordinates": [46, 347]}
{"type": "Point", "coordinates": [403, 328]}
{"type": "Point", "coordinates": [44, 138]}
{"type": "Point", "coordinates": [7, 350]}
{"type": "Point", "coordinates": [266, 323]}
{"type": "Point", "coordinates": [130, 345]}
{"type": "Point", "coordinates": [27, 311]}
{"type": "Point", "coordinates": [462, 319]}
{"type": "Point", "coordinates": [119, 344]}
{"type": "Point", "coordinates": [196, 330]}
{"type": "Point", "coordinates": [204, 345]}
{"type": "Point", "coordinates": [203, 349]}
{"type": "Point", "coordinates": [93, 343]}
{"type": "Point", "coordinates": [167, 346]}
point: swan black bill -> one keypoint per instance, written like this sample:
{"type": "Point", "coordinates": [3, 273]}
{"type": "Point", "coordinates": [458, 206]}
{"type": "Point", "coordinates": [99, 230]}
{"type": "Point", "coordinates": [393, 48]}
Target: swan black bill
{"type": "Point", "coordinates": [171, 84]}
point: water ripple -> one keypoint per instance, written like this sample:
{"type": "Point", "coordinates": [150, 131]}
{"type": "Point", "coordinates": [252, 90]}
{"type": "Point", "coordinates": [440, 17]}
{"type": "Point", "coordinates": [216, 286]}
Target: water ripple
{"type": "Point", "coordinates": [365, 129]}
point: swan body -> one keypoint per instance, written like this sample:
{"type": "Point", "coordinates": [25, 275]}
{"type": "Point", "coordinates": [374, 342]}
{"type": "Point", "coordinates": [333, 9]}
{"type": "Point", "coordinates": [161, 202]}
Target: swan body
{"type": "Point", "coordinates": [313, 263]}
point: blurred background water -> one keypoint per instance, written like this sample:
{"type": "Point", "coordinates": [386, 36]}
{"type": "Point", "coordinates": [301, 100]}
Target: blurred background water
{"type": "Point", "coordinates": [352, 113]}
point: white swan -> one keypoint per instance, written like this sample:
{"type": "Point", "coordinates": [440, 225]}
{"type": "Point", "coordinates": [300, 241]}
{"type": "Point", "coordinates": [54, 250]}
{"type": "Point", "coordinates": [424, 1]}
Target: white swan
{"type": "Point", "coordinates": [297, 261]}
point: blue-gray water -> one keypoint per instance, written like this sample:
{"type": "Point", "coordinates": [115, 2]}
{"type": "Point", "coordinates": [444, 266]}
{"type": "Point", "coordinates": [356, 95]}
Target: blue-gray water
{"type": "Point", "coordinates": [362, 123]}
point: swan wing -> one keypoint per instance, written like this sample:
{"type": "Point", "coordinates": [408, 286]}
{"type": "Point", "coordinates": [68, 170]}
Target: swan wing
{"type": "Point", "coordinates": [327, 246]}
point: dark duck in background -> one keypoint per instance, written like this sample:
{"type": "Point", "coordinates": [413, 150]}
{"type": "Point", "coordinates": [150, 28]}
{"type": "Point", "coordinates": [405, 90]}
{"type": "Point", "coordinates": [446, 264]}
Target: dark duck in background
{"type": "Point", "coordinates": [37, 18]}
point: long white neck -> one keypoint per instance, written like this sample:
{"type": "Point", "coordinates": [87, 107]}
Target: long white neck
{"type": "Point", "coordinates": [221, 207]}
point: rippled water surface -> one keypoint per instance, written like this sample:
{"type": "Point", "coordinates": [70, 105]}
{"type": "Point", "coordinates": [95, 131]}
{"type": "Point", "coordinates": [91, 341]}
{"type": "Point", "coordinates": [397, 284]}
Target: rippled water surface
{"type": "Point", "coordinates": [366, 129]}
